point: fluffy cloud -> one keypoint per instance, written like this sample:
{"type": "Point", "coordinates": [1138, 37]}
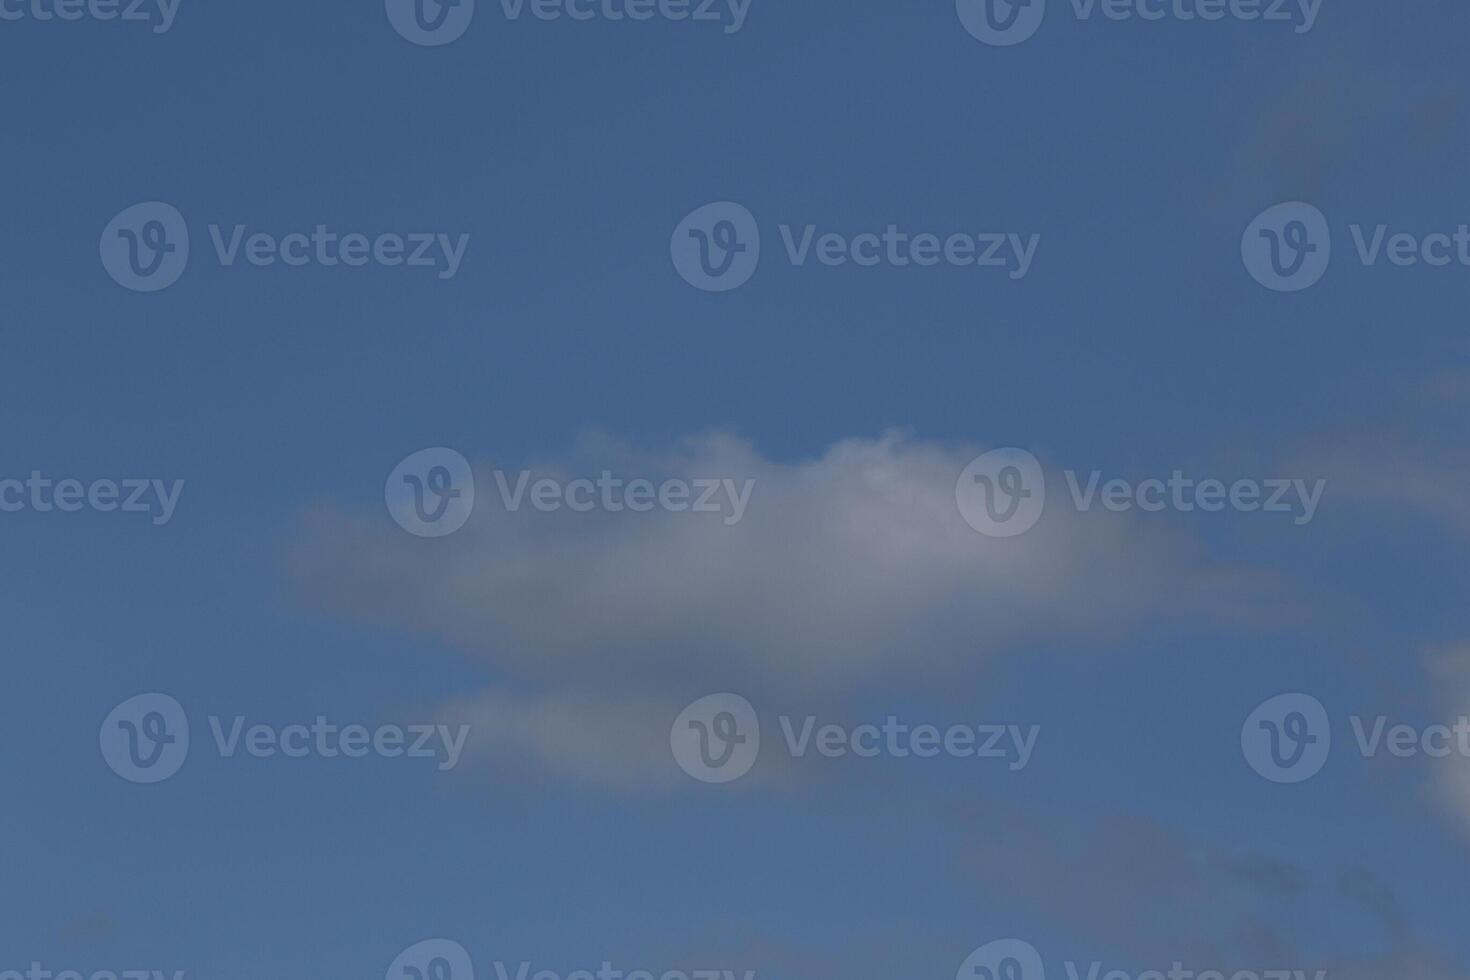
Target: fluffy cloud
{"type": "Point", "coordinates": [852, 572]}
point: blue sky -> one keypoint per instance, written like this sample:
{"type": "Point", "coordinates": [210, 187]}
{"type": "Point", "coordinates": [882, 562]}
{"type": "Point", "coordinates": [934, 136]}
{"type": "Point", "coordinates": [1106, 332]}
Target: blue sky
{"type": "Point", "coordinates": [1136, 345]}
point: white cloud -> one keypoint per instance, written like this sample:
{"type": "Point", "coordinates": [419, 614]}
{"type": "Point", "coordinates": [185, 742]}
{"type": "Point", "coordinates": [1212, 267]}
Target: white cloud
{"type": "Point", "coordinates": [584, 737]}
{"type": "Point", "coordinates": [850, 573]}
